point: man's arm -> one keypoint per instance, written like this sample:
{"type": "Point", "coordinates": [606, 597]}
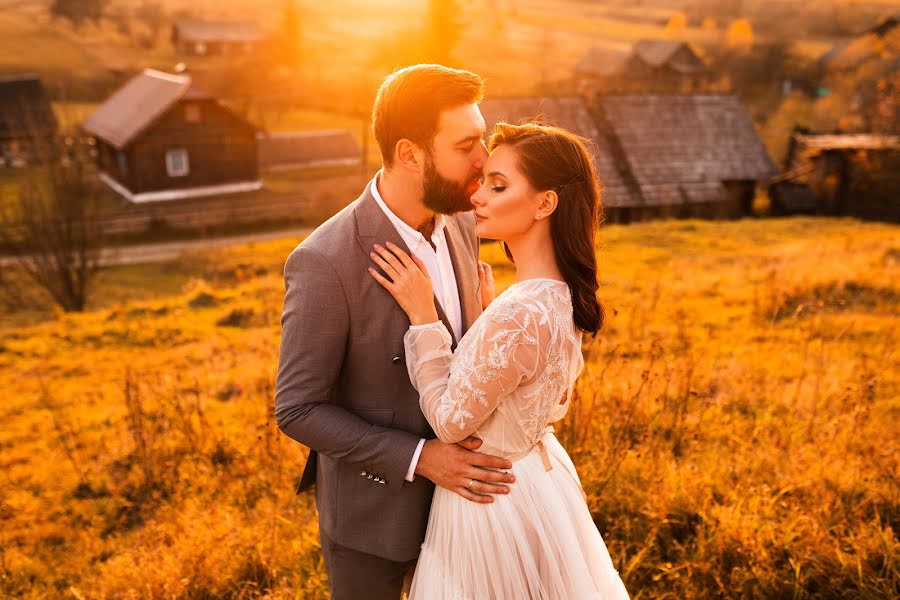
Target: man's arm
{"type": "Point", "coordinates": [315, 326]}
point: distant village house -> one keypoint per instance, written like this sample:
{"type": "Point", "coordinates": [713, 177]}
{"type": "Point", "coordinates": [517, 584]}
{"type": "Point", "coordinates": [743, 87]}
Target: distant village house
{"type": "Point", "coordinates": [855, 174]}
{"type": "Point", "coordinates": [649, 66]}
{"type": "Point", "coordinates": [201, 38]}
{"type": "Point", "coordinates": [659, 155]}
{"type": "Point", "coordinates": [159, 137]}
{"type": "Point", "coordinates": [26, 120]}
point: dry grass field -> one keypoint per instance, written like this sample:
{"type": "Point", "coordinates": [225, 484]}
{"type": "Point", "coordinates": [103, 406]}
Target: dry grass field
{"type": "Point", "coordinates": [735, 427]}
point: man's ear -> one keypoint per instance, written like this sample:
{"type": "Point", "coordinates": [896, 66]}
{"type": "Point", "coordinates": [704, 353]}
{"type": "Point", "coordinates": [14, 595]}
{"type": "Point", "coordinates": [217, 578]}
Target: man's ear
{"type": "Point", "coordinates": [409, 155]}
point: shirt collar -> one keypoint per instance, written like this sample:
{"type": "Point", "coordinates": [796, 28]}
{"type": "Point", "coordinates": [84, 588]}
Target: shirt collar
{"type": "Point", "coordinates": [411, 236]}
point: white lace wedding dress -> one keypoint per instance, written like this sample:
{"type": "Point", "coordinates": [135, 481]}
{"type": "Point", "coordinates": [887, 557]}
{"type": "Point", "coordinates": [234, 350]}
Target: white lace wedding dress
{"type": "Point", "coordinates": [511, 375]}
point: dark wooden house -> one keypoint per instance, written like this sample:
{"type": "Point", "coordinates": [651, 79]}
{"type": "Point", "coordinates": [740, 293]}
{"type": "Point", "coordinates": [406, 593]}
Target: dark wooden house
{"type": "Point", "coordinates": [200, 38]}
{"type": "Point", "coordinates": [650, 66]}
{"type": "Point", "coordinates": [307, 150]}
{"type": "Point", "coordinates": [685, 155]}
{"type": "Point", "coordinates": [840, 174]}
{"type": "Point", "coordinates": [159, 137]}
{"type": "Point", "coordinates": [27, 121]}
{"type": "Point", "coordinates": [659, 155]}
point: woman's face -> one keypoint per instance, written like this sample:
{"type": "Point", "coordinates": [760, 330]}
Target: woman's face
{"type": "Point", "coordinates": [505, 203]}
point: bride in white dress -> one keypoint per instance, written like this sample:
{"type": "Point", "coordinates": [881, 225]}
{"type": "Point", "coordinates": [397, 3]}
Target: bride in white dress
{"type": "Point", "coordinates": [511, 376]}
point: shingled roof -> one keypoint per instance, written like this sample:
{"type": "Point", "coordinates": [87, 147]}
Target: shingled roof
{"type": "Point", "coordinates": [601, 61]}
{"type": "Point", "coordinates": [304, 149]}
{"type": "Point", "coordinates": [217, 31]}
{"type": "Point", "coordinates": [685, 145]}
{"type": "Point", "coordinates": [137, 104]}
{"type": "Point", "coordinates": [572, 113]}
{"type": "Point", "coordinates": [653, 149]}
{"type": "Point", "coordinates": [658, 53]}
{"type": "Point", "coordinates": [24, 107]}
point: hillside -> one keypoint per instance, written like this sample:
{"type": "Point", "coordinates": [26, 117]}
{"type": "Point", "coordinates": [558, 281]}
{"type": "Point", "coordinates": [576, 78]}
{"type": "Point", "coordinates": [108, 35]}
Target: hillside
{"type": "Point", "coordinates": [735, 427]}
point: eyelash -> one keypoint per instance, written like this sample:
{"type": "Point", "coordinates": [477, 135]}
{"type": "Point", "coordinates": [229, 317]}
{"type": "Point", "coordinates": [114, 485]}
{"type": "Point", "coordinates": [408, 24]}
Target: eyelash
{"type": "Point", "coordinates": [498, 188]}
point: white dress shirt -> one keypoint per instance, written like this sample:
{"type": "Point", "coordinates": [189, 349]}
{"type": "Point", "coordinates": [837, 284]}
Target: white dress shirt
{"type": "Point", "coordinates": [440, 269]}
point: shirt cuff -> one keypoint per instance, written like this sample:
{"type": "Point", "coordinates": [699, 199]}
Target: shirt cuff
{"type": "Point", "coordinates": [411, 473]}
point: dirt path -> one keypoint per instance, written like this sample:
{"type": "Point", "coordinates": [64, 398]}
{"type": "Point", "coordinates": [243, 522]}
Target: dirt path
{"type": "Point", "coordinates": [163, 251]}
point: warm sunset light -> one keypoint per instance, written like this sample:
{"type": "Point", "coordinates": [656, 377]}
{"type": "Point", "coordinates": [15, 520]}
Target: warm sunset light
{"type": "Point", "coordinates": [440, 299]}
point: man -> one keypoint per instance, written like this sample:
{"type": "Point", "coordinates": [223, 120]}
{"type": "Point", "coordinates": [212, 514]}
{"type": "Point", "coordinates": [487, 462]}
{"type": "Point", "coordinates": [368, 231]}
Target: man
{"type": "Point", "coordinates": [342, 387]}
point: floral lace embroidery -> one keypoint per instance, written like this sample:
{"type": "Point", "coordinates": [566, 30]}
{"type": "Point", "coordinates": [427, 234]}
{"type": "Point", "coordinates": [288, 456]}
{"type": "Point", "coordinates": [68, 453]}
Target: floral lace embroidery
{"type": "Point", "coordinates": [519, 352]}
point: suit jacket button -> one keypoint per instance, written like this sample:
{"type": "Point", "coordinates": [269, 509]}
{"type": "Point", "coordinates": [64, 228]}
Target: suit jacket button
{"type": "Point", "coordinates": [396, 360]}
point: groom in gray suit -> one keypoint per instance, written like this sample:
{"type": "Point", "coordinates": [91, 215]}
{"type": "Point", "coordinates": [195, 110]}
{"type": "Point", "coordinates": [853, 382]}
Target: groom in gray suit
{"type": "Point", "coordinates": [342, 386]}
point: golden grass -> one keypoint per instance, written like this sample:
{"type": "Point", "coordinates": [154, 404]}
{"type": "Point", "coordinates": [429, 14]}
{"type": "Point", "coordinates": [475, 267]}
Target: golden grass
{"type": "Point", "coordinates": [735, 426]}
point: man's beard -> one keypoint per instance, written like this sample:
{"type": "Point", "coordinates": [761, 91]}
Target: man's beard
{"type": "Point", "coordinates": [444, 195]}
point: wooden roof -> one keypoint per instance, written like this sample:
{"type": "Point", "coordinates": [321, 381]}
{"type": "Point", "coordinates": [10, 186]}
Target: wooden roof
{"type": "Point", "coordinates": [137, 104]}
{"type": "Point", "coordinates": [24, 107]}
{"type": "Point", "coordinates": [848, 141]}
{"type": "Point", "coordinates": [653, 149]}
{"type": "Point", "coordinates": [659, 53]}
{"type": "Point", "coordinates": [685, 139]}
{"type": "Point", "coordinates": [601, 61]}
{"type": "Point", "coordinates": [217, 31]}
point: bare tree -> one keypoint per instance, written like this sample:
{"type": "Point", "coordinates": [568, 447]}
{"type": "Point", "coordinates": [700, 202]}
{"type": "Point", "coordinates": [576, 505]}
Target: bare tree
{"type": "Point", "coordinates": [50, 227]}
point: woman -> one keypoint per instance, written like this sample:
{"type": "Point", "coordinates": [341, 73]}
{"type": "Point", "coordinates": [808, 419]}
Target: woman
{"type": "Point", "coordinates": [513, 374]}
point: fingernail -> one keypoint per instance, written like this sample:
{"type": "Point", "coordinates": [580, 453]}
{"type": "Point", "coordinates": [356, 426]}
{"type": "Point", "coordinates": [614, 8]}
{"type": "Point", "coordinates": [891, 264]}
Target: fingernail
{"type": "Point", "coordinates": [388, 244]}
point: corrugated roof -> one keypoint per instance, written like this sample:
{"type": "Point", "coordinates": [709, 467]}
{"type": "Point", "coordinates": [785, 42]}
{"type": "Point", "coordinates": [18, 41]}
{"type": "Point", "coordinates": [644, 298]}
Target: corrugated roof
{"type": "Point", "coordinates": [307, 148]}
{"type": "Point", "coordinates": [686, 139]}
{"type": "Point", "coordinates": [24, 107]}
{"type": "Point", "coordinates": [137, 104]}
{"type": "Point", "coordinates": [218, 31]}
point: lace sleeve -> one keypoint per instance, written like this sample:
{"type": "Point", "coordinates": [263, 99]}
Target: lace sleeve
{"type": "Point", "coordinates": [458, 393]}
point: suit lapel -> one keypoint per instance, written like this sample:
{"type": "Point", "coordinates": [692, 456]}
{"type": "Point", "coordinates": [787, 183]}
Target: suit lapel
{"type": "Point", "coordinates": [466, 272]}
{"type": "Point", "coordinates": [373, 226]}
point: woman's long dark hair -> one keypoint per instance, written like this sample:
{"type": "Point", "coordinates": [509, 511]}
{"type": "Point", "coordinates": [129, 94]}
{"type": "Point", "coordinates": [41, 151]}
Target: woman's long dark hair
{"type": "Point", "coordinates": [553, 158]}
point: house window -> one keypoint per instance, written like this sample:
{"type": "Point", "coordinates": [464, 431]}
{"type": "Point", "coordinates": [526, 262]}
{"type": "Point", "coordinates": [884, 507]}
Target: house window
{"type": "Point", "coordinates": [192, 113]}
{"type": "Point", "coordinates": [122, 160]}
{"type": "Point", "coordinates": [177, 163]}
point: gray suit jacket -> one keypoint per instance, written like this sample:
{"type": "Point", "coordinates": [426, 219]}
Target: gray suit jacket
{"type": "Point", "coordinates": [343, 388]}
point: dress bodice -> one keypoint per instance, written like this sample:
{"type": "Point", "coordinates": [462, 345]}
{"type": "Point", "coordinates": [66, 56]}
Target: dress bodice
{"type": "Point", "coordinates": [511, 375]}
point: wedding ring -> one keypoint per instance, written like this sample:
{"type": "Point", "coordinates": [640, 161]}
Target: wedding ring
{"type": "Point", "coordinates": [471, 483]}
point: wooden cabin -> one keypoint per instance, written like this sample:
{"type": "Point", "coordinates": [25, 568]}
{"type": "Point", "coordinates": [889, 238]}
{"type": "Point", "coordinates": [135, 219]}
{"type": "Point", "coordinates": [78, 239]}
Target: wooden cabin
{"type": "Point", "coordinates": [27, 121]}
{"type": "Point", "coordinates": [159, 137]}
{"type": "Point", "coordinates": [840, 174]}
{"type": "Point", "coordinates": [649, 66]}
{"type": "Point", "coordinates": [196, 37]}
{"type": "Point", "coordinates": [659, 155]}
